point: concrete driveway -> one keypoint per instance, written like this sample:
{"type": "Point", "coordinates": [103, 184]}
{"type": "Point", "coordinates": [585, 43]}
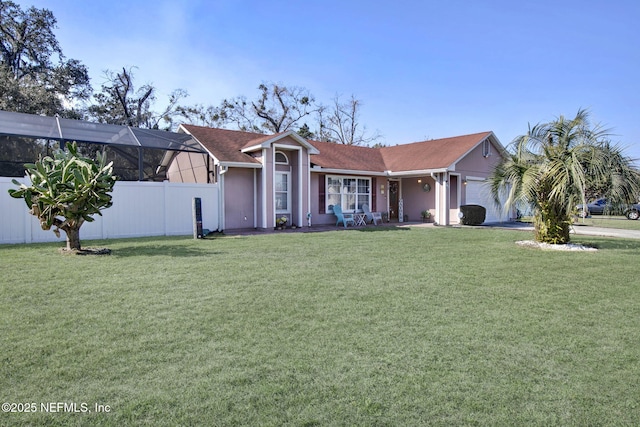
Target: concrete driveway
{"type": "Point", "coordinates": [606, 232]}
{"type": "Point", "coordinates": [575, 229]}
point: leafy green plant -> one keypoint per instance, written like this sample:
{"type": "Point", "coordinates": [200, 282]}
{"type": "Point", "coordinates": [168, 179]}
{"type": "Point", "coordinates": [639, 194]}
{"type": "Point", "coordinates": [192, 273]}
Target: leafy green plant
{"type": "Point", "coordinates": [66, 191]}
{"type": "Point", "coordinates": [554, 166]}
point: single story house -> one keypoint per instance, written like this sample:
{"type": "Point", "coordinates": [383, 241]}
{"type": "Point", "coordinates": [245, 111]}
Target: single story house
{"type": "Point", "coordinates": [264, 177]}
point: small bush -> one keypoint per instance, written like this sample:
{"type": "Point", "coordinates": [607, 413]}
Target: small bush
{"type": "Point", "coordinates": [473, 214]}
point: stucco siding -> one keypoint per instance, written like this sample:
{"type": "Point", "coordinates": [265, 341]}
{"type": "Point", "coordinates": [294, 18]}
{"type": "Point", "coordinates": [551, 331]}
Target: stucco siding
{"type": "Point", "coordinates": [238, 198]}
{"type": "Point", "coordinates": [415, 199]}
{"type": "Point", "coordinates": [330, 218]}
{"type": "Point", "coordinates": [476, 164]}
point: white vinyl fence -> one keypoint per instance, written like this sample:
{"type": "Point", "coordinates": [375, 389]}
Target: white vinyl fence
{"type": "Point", "coordinates": [139, 209]}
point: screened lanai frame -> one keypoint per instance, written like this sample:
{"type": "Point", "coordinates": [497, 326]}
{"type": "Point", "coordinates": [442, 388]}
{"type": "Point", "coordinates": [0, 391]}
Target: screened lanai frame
{"type": "Point", "coordinates": [67, 130]}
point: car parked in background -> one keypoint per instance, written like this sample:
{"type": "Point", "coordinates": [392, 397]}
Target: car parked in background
{"type": "Point", "coordinates": [633, 211]}
{"type": "Point", "coordinates": [597, 207]}
{"type": "Point", "coordinates": [603, 207]}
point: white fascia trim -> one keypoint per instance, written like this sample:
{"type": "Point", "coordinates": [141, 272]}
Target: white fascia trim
{"type": "Point", "coordinates": [292, 134]}
{"type": "Point", "coordinates": [475, 178]}
{"type": "Point", "coordinates": [498, 144]}
{"type": "Point", "coordinates": [493, 139]}
{"type": "Point", "coordinates": [469, 151]}
{"type": "Point", "coordinates": [181, 129]}
{"type": "Point", "coordinates": [241, 165]}
{"type": "Point", "coordinates": [347, 172]}
{"type": "Point", "coordinates": [286, 147]}
{"type": "Point", "coordinates": [417, 172]}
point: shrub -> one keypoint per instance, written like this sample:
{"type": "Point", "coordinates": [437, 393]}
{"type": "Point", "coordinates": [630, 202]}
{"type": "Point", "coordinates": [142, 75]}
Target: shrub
{"type": "Point", "coordinates": [67, 186]}
{"type": "Point", "coordinates": [473, 214]}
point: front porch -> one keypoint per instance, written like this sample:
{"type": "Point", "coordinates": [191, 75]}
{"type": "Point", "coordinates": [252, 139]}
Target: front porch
{"type": "Point", "coordinates": [438, 193]}
{"type": "Point", "coordinates": [318, 228]}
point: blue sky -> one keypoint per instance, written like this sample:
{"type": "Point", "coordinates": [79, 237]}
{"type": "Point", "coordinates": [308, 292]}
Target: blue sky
{"type": "Point", "coordinates": [423, 69]}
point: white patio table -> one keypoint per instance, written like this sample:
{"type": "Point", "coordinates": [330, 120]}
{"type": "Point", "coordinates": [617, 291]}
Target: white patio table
{"type": "Point", "coordinates": [360, 218]}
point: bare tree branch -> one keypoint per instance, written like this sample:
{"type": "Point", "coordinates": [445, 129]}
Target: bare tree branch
{"type": "Point", "coordinates": [342, 124]}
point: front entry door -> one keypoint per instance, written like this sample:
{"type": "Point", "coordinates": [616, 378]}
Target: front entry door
{"type": "Point", "coordinates": [394, 199]}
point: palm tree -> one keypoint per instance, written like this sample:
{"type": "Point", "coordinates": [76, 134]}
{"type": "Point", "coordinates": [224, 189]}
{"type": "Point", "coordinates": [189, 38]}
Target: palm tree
{"type": "Point", "coordinates": [552, 167]}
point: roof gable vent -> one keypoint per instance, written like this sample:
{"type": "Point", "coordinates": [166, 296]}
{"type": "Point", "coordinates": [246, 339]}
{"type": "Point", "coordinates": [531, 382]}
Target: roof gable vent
{"type": "Point", "coordinates": [486, 148]}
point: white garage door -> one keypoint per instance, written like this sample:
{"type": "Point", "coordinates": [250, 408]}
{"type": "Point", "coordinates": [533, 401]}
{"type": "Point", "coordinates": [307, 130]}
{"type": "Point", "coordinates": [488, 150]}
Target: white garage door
{"type": "Point", "coordinates": [479, 193]}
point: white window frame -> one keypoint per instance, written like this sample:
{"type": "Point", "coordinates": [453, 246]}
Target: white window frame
{"type": "Point", "coordinates": [288, 192]}
{"type": "Point", "coordinates": [286, 158]}
{"type": "Point", "coordinates": [344, 195]}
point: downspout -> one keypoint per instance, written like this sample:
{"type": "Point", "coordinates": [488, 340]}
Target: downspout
{"type": "Point", "coordinates": [308, 190]}
{"type": "Point", "coordinates": [221, 171]}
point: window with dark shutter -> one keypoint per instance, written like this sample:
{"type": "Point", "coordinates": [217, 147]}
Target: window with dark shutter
{"type": "Point", "coordinates": [321, 194]}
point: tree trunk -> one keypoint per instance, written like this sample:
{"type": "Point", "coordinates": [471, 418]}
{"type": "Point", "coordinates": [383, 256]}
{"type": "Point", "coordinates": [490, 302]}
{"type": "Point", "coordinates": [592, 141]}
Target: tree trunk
{"type": "Point", "coordinates": [551, 226]}
{"type": "Point", "coordinates": [73, 238]}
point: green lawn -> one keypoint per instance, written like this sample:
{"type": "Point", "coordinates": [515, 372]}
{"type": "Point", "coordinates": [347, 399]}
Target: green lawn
{"type": "Point", "coordinates": [609, 222]}
{"type": "Point", "coordinates": [397, 327]}
{"type": "Point", "coordinates": [619, 222]}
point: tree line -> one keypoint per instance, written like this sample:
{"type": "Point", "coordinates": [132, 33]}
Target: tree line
{"type": "Point", "coordinates": [37, 78]}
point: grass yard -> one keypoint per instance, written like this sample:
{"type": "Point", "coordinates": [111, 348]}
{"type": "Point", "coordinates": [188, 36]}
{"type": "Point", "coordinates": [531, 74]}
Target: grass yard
{"type": "Point", "coordinates": [618, 222]}
{"type": "Point", "coordinates": [396, 327]}
{"type": "Point", "coordinates": [609, 222]}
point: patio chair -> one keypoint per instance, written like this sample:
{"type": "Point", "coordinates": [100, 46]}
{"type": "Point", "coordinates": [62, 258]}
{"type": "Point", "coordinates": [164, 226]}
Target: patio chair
{"type": "Point", "coordinates": [374, 217]}
{"type": "Point", "coordinates": [344, 218]}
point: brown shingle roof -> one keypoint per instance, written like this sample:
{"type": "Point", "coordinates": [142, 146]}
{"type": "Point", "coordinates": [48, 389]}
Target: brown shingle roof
{"type": "Point", "coordinates": [433, 154]}
{"type": "Point", "coordinates": [349, 157]}
{"type": "Point", "coordinates": [226, 146]}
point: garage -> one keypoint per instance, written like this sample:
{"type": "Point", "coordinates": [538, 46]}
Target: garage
{"type": "Point", "coordinates": [479, 193]}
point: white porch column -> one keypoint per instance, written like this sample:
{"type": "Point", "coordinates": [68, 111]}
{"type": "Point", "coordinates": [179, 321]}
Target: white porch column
{"type": "Point", "coordinates": [446, 195]}
{"type": "Point", "coordinates": [442, 198]}
{"type": "Point", "coordinates": [265, 162]}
